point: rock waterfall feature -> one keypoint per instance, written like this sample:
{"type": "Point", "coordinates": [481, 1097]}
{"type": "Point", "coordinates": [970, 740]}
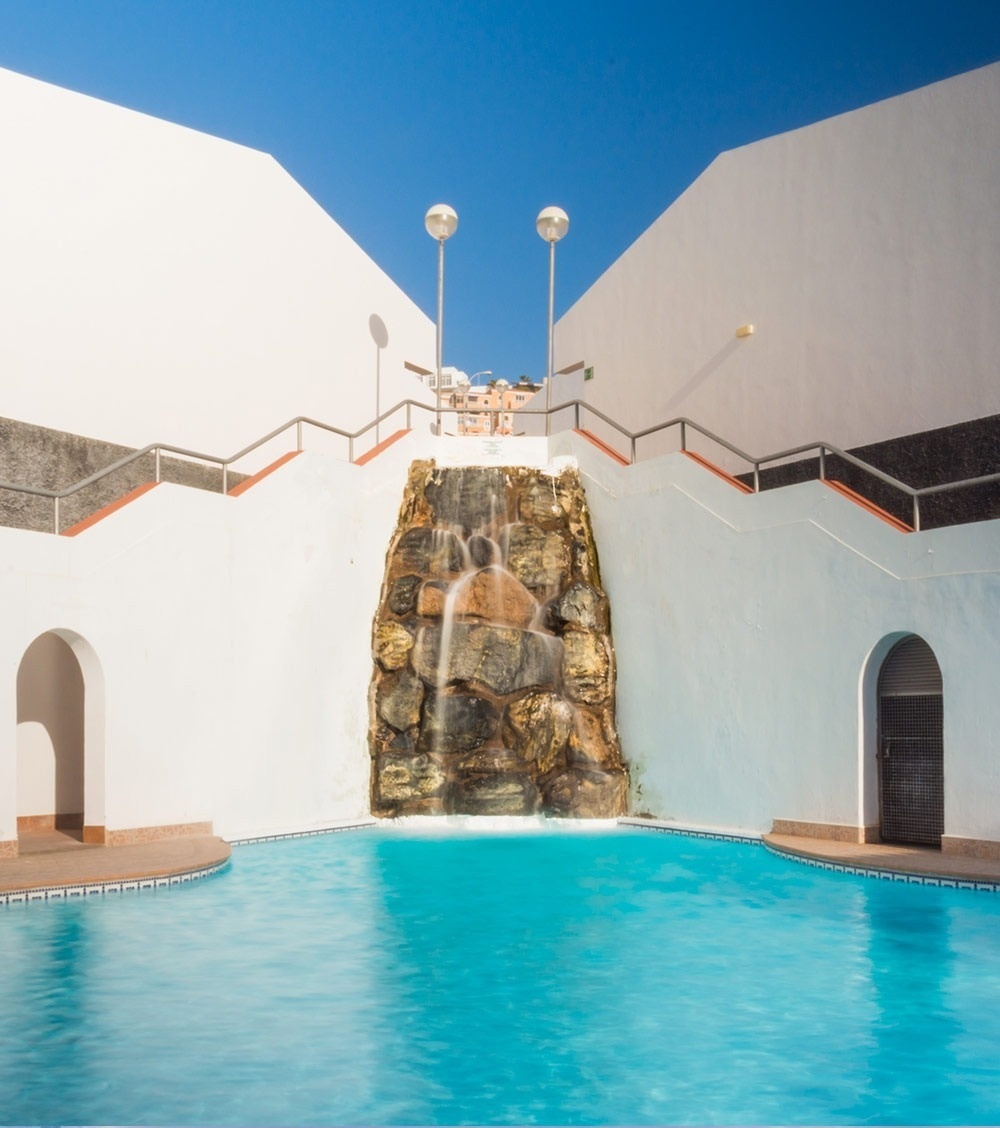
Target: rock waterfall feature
{"type": "Point", "coordinates": [494, 672]}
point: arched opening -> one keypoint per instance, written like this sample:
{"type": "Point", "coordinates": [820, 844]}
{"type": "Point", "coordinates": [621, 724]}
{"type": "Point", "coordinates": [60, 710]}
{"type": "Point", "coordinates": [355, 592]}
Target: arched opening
{"type": "Point", "coordinates": [911, 745]}
{"type": "Point", "coordinates": [60, 737]}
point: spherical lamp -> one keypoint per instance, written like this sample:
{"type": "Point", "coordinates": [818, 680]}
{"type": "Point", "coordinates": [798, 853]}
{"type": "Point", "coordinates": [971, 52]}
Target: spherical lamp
{"type": "Point", "coordinates": [552, 224]}
{"type": "Point", "coordinates": [441, 221]}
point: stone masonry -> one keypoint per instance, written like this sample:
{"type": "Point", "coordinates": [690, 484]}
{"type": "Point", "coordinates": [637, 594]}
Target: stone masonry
{"type": "Point", "coordinates": [494, 671]}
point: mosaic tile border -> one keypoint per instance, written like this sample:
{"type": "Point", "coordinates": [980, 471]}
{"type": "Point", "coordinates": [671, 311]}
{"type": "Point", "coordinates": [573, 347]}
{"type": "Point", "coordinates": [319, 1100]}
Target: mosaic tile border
{"type": "Point", "coordinates": [366, 824]}
{"type": "Point", "coordinates": [692, 832]}
{"type": "Point", "coordinates": [980, 885]}
{"type": "Point", "coordinates": [102, 888]}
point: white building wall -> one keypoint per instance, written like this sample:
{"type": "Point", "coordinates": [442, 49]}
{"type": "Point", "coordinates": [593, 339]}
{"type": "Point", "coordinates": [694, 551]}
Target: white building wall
{"type": "Point", "coordinates": [163, 285]}
{"type": "Point", "coordinates": [865, 251]}
{"type": "Point", "coordinates": [233, 637]}
{"type": "Point", "coordinates": [744, 624]}
{"type": "Point", "coordinates": [160, 284]}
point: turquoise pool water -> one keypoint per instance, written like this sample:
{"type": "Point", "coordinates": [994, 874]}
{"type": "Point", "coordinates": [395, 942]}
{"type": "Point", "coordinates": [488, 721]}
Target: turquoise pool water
{"type": "Point", "coordinates": [626, 977]}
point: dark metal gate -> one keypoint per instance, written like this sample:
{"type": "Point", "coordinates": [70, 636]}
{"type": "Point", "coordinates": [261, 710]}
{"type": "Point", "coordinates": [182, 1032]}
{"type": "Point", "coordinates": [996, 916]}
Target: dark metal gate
{"type": "Point", "coordinates": [911, 746]}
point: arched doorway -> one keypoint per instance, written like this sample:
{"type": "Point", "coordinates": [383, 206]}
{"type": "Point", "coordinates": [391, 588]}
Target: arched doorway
{"type": "Point", "coordinates": [911, 745]}
{"type": "Point", "coordinates": [60, 736]}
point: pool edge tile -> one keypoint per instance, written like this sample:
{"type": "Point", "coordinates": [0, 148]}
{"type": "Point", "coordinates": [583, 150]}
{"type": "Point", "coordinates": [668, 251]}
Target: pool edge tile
{"type": "Point", "coordinates": [101, 888]}
{"type": "Point", "coordinates": [974, 884]}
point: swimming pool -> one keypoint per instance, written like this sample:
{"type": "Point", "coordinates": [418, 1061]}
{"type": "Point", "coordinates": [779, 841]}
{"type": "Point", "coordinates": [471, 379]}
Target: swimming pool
{"type": "Point", "coordinates": [395, 977]}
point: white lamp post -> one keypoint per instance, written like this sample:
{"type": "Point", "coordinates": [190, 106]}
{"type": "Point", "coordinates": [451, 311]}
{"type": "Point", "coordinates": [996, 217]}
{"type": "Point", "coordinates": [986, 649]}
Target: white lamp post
{"type": "Point", "coordinates": [552, 224]}
{"type": "Point", "coordinates": [441, 222]}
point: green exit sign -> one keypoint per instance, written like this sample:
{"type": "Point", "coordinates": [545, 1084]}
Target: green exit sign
{"type": "Point", "coordinates": [588, 374]}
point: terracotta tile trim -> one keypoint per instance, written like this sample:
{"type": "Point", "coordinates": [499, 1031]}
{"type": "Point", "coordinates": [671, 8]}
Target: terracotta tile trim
{"type": "Point", "coordinates": [135, 835]}
{"type": "Point", "coordinates": [383, 445]}
{"type": "Point", "coordinates": [242, 487]}
{"type": "Point", "coordinates": [718, 471]}
{"type": "Point", "coordinates": [834, 832]}
{"type": "Point", "coordinates": [608, 449]}
{"type": "Point", "coordinates": [871, 507]}
{"type": "Point", "coordinates": [107, 510]}
{"type": "Point", "coordinates": [28, 823]}
{"type": "Point", "coordinates": [983, 849]}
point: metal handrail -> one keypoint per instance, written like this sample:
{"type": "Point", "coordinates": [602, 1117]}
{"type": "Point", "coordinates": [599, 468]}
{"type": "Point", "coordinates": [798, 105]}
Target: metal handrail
{"type": "Point", "coordinates": [578, 407]}
{"type": "Point", "coordinates": [915, 493]}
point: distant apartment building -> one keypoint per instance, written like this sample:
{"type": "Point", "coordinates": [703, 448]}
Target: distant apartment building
{"type": "Point", "coordinates": [452, 379]}
{"type": "Point", "coordinates": [489, 410]}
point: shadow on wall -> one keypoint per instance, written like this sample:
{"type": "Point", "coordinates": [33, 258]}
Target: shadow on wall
{"type": "Point", "coordinates": [380, 335]}
{"type": "Point", "coordinates": [50, 731]}
{"type": "Point", "coordinates": [707, 369]}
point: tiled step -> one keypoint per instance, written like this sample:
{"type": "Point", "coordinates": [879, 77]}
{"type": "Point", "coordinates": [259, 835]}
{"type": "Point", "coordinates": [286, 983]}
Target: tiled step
{"type": "Point", "coordinates": [377, 450]}
{"type": "Point", "coordinates": [242, 487]}
{"type": "Point", "coordinates": [107, 510]}
{"type": "Point", "coordinates": [876, 511]}
{"type": "Point", "coordinates": [602, 445]}
{"type": "Point", "coordinates": [718, 472]}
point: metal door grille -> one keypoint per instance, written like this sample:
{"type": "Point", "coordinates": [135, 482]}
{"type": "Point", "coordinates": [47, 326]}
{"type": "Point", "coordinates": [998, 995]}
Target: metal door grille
{"type": "Point", "coordinates": [911, 768]}
{"type": "Point", "coordinates": [910, 668]}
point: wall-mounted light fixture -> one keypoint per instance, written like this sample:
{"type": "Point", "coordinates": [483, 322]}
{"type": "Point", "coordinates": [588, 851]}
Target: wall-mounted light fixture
{"type": "Point", "coordinates": [745, 330]}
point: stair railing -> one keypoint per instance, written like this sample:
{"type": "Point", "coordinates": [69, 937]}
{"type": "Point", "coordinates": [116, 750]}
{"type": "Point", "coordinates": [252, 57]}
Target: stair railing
{"type": "Point", "coordinates": [822, 449]}
{"type": "Point", "coordinates": [579, 407]}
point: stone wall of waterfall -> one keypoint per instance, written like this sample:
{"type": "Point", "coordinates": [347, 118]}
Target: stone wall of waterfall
{"type": "Point", "coordinates": [494, 673]}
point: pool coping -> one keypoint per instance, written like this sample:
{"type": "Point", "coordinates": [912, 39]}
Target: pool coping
{"type": "Point", "coordinates": [907, 865]}
{"type": "Point", "coordinates": [86, 871]}
{"type": "Point", "coordinates": [717, 834]}
{"type": "Point", "coordinates": [151, 866]}
{"type": "Point", "coordinates": [308, 832]}
{"type": "Point", "coordinates": [100, 888]}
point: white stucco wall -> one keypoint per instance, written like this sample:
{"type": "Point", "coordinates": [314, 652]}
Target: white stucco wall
{"type": "Point", "coordinates": [744, 625]}
{"type": "Point", "coordinates": [233, 642]}
{"type": "Point", "coordinates": [229, 633]}
{"type": "Point", "coordinates": [163, 285]}
{"type": "Point", "coordinates": [865, 250]}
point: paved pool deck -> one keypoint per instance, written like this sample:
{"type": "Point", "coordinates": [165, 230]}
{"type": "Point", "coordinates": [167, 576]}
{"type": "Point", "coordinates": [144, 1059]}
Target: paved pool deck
{"type": "Point", "coordinates": [893, 859]}
{"type": "Point", "coordinates": [53, 859]}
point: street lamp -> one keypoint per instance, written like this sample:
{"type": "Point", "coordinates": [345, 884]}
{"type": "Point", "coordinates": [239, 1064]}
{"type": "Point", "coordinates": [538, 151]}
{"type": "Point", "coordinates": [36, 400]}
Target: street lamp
{"type": "Point", "coordinates": [552, 224]}
{"type": "Point", "coordinates": [441, 222]}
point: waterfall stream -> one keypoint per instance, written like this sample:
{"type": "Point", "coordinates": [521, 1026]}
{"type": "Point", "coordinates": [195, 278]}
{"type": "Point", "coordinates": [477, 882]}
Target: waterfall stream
{"type": "Point", "coordinates": [493, 685]}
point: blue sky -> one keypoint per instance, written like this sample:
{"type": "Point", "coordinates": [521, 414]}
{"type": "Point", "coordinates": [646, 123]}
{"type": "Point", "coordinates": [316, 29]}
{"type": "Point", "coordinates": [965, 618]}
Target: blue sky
{"type": "Point", "coordinates": [609, 110]}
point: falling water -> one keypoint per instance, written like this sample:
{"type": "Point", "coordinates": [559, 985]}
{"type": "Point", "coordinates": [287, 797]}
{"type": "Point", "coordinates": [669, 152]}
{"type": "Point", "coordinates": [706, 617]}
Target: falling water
{"type": "Point", "coordinates": [492, 694]}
